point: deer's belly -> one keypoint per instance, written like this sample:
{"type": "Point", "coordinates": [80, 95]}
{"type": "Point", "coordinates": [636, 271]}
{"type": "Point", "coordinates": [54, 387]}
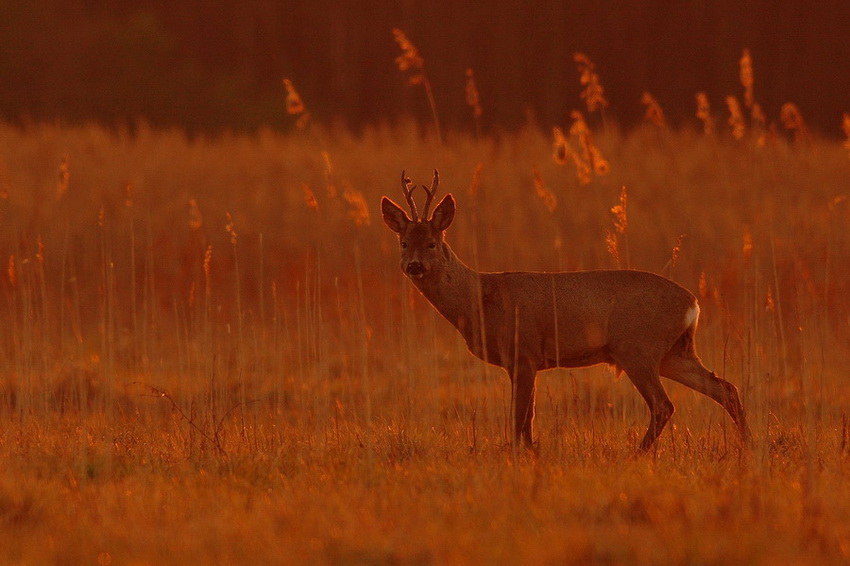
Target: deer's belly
{"type": "Point", "coordinates": [577, 359]}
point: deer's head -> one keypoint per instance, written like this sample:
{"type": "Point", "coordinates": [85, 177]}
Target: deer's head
{"type": "Point", "coordinates": [423, 251]}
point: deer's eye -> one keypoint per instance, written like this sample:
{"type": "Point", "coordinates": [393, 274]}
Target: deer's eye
{"type": "Point", "coordinates": [432, 245]}
{"type": "Point", "coordinates": [404, 245]}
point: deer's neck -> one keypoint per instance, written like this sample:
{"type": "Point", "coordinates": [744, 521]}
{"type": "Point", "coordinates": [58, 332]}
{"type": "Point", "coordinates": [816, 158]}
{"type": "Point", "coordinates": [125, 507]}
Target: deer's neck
{"type": "Point", "coordinates": [455, 292]}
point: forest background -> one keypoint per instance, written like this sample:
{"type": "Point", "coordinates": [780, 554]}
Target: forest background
{"type": "Point", "coordinates": [213, 65]}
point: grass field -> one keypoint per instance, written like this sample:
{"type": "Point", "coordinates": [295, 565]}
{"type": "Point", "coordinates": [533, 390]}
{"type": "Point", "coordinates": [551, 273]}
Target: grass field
{"type": "Point", "coordinates": [209, 353]}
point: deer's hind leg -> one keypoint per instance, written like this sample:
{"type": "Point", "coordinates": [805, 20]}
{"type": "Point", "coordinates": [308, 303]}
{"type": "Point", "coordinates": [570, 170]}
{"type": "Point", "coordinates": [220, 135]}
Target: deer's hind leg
{"type": "Point", "coordinates": [646, 380]}
{"type": "Point", "coordinates": [683, 366]}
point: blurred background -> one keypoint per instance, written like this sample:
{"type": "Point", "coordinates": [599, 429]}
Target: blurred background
{"type": "Point", "coordinates": [208, 65]}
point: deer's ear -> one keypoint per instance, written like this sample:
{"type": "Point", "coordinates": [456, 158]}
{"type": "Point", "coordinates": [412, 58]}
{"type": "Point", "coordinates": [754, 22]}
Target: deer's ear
{"type": "Point", "coordinates": [394, 217]}
{"type": "Point", "coordinates": [444, 213]}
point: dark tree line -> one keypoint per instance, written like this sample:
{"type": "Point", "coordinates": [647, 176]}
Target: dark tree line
{"type": "Point", "coordinates": [211, 64]}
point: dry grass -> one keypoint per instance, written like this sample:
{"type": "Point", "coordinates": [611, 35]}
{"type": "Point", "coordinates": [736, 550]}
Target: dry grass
{"type": "Point", "coordinates": [249, 379]}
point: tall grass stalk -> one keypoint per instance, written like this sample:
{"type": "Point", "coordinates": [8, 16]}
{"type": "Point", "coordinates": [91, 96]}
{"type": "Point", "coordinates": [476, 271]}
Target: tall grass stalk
{"type": "Point", "coordinates": [108, 317]}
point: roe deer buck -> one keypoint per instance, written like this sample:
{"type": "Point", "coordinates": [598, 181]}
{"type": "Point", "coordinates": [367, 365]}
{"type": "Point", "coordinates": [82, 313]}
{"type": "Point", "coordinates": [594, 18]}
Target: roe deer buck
{"type": "Point", "coordinates": [525, 322]}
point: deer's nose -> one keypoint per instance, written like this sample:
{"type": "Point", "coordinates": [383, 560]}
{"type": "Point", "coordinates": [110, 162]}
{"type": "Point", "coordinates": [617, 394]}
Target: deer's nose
{"type": "Point", "coordinates": [415, 268]}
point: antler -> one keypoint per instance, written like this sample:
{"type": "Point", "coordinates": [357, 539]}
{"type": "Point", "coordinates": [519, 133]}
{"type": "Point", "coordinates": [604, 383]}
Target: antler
{"type": "Point", "coordinates": [430, 192]}
{"type": "Point", "coordinates": [407, 189]}
{"type": "Point", "coordinates": [408, 195]}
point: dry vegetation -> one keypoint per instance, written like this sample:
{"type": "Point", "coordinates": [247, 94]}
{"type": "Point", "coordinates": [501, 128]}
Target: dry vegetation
{"type": "Point", "coordinates": [209, 353]}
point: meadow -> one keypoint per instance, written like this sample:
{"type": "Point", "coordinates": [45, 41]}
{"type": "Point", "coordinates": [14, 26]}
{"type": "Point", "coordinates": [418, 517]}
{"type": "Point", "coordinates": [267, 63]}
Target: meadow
{"type": "Point", "coordinates": [209, 353]}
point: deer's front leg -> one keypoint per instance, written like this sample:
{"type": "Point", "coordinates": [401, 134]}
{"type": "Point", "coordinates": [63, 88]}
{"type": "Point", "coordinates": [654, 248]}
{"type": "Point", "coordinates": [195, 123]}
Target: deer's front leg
{"type": "Point", "coordinates": [523, 377]}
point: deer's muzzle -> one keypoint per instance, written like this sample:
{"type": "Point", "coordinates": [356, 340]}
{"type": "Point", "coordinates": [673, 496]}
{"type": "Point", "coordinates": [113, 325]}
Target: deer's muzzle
{"type": "Point", "coordinates": [415, 269]}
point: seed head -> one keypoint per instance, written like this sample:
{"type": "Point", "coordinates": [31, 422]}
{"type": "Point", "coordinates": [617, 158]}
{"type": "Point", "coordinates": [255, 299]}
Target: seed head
{"type": "Point", "coordinates": [196, 220]}
{"type": "Point", "coordinates": [473, 100]}
{"type": "Point", "coordinates": [409, 60]}
{"type": "Point", "coordinates": [593, 93]}
{"type": "Point", "coordinates": [231, 230]}
{"type": "Point", "coordinates": [704, 113]}
{"type": "Point", "coordinates": [548, 198]}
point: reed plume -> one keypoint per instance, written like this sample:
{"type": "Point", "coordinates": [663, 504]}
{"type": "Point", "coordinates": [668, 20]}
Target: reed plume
{"type": "Point", "coordinates": [613, 246]}
{"type": "Point", "coordinates": [675, 252]}
{"type": "Point", "coordinates": [230, 229]}
{"type": "Point", "coordinates": [745, 70]}
{"type": "Point", "coordinates": [653, 112]}
{"type": "Point", "coordinates": [702, 285]}
{"type": "Point", "coordinates": [330, 186]}
{"type": "Point", "coordinates": [792, 120]}
{"type": "Point", "coordinates": [845, 127]}
{"type": "Point", "coordinates": [593, 92]}
{"type": "Point", "coordinates": [561, 150]}
{"type": "Point", "coordinates": [359, 211]}
{"type": "Point", "coordinates": [64, 176]}
{"type": "Point", "coordinates": [580, 149]}
{"type": "Point", "coordinates": [473, 100]}
{"type": "Point", "coordinates": [759, 124]}
{"type": "Point", "coordinates": [758, 120]}
{"type": "Point", "coordinates": [410, 61]}
{"type": "Point", "coordinates": [207, 271]}
{"type": "Point", "coordinates": [39, 250]}
{"type": "Point", "coordinates": [295, 105]}
{"type": "Point", "coordinates": [620, 212]}
{"type": "Point", "coordinates": [475, 184]}
{"type": "Point", "coordinates": [769, 302]}
{"type": "Point", "coordinates": [309, 197]}
{"type": "Point", "coordinates": [621, 227]}
{"type": "Point", "coordinates": [550, 201]}
{"type": "Point", "coordinates": [196, 220]}
{"type": "Point", "coordinates": [747, 244]}
{"type": "Point", "coordinates": [736, 118]}
{"type": "Point", "coordinates": [11, 272]}
{"type": "Point", "coordinates": [704, 113]}
{"type": "Point", "coordinates": [564, 150]}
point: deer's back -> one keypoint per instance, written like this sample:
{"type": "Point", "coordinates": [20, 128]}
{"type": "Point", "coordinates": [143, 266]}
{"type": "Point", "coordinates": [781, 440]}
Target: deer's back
{"type": "Point", "coordinates": [539, 290]}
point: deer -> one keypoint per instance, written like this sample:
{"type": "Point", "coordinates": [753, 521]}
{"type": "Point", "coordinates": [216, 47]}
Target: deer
{"type": "Point", "coordinates": [640, 323]}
